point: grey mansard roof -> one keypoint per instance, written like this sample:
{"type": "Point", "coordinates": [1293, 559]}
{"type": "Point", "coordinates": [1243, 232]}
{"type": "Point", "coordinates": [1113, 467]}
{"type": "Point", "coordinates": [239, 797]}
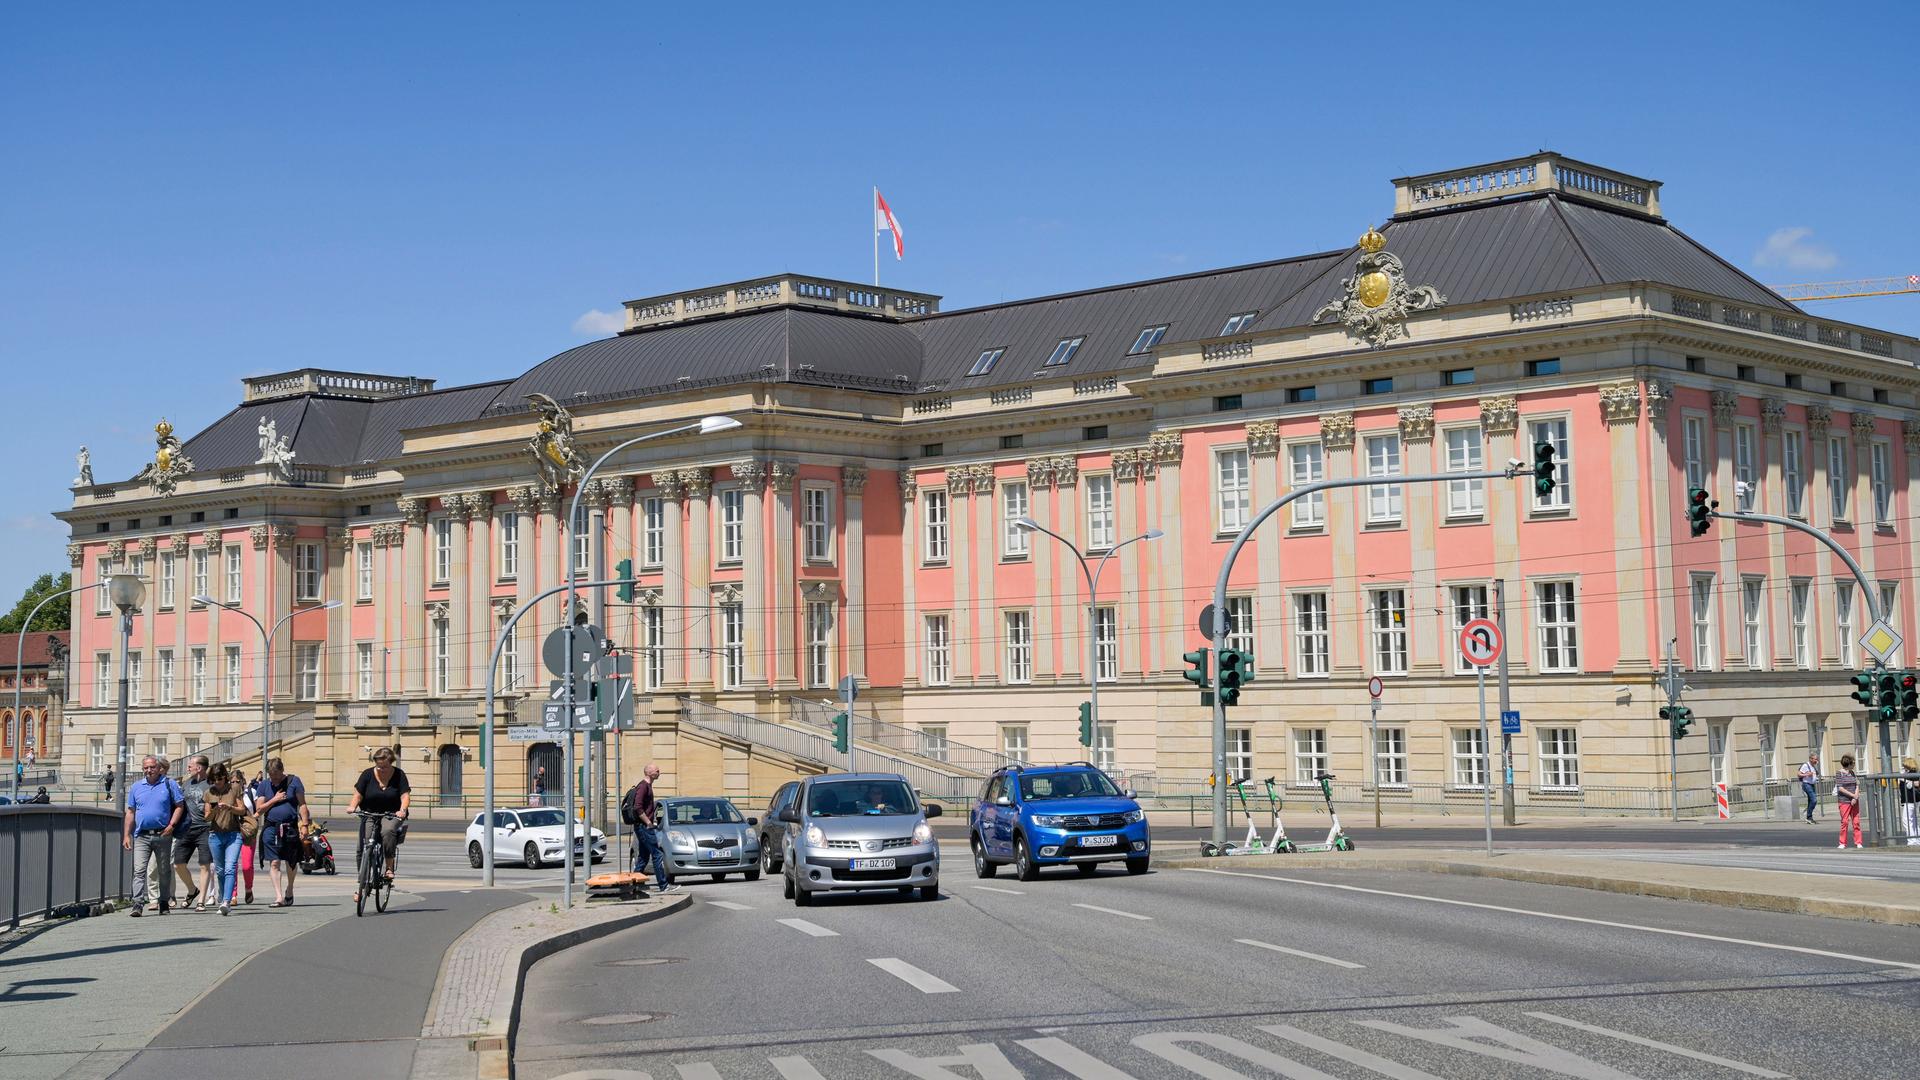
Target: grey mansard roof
{"type": "Point", "coordinates": [1536, 245]}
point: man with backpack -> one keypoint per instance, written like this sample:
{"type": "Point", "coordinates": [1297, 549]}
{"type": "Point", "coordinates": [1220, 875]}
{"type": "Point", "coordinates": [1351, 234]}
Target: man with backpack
{"type": "Point", "coordinates": [640, 810]}
{"type": "Point", "coordinates": [154, 808]}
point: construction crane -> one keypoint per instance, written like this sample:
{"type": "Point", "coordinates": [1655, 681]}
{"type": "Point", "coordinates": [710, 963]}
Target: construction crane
{"type": "Point", "coordinates": [1847, 290]}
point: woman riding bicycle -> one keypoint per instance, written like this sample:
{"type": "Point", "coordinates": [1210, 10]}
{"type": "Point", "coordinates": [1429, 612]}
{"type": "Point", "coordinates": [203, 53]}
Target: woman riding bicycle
{"type": "Point", "coordinates": [383, 789]}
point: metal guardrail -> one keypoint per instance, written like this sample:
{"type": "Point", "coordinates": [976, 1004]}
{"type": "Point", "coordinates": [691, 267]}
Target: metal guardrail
{"type": "Point", "coordinates": [819, 749]}
{"type": "Point", "coordinates": [59, 857]}
{"type": "Point", "coordinates": [1888, 821]}
{"type": "Point", "coordinates": [247, 743]}
{"type": "Point", "coordinates": [975, 762]}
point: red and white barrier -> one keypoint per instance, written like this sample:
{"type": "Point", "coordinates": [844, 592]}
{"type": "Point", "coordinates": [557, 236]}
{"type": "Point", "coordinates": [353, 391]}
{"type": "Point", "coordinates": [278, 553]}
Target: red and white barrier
{"type": "Point", "coordinates": [1720, 796]}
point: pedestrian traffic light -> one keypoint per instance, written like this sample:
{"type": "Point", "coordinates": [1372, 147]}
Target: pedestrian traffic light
{"type": "Point", "coordinates": [1678, 717]}
{"type": "Point", "coordinates": [1863, 689]}
{"type": "Point", "coordinates": [841, 739]}
{"type": "Point", "coordinates": [1197, 672]}
{"type": "Point", "coordinates": [1889, 698]}
{"type": "Point", "coordinates": [1909, 697]}
{"type": "Point", "coordinates": [624, 571]}
{"type": "Point", "coordinates": [1086, 723]}
{"type": "Point", "coordinates": [1700, 511]}
{"type": "Point", "coordinates": [1544, 468]}
{"type": "Point", "coordinates": [1236, 669]}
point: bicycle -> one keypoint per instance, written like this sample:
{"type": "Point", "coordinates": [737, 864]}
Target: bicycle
{"type": "Point", "coordinates": [371, 862]}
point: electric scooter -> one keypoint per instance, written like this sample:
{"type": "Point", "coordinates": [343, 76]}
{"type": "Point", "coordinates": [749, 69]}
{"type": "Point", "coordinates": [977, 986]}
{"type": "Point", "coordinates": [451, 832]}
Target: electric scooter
{"type": "Point", "coordinates": [1254, 843]}
{"type": "Point", "coordinates": [1281, 844]}
{"type": "Point", "coordinates": [1337, 839]}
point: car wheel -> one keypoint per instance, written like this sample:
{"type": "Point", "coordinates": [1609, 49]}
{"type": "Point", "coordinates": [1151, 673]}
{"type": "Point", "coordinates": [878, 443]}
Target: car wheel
{"type": "Point", "coordinates": [532, 856]}
{"type": "Point", "coordinates": [983, 867]}
{"type": "Point", "coordinates": [769, 862]}
{"type": "Point", "coordinates": [786, 887]}
{"type": "Point", "coordinates": [1088, 869]}
{"type": "Point", "coordinates": [929, 892]}
{"type": "Point", "coordinates": [906, 890]}
{"type": "Point", "coordinates": [1136, 866]}
{"type": "Point", "coordinates": [475, 857]}
{"type": "Point", "coordinates": [718, 877]}
{"type": "Point", "coordinates": [753, 874]}
{"type": "Point", "coordinates": [1023, 867]}
{"type": "Point", "coordinates": [801, 897]}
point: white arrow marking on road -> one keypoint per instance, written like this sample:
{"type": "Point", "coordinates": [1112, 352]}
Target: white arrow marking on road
{"type": "Point", "coordinates": [795, 1068]}
{"type": "Point", "coordinates": [1112, 911]}
{"type": "Point", "coordinates": [730, 905]}
{"type": "Point", "coordinates": [1077, 1062]}
{"type": "Point", "coordinates": [1298, 952]}
{"type": "Point", "coordinates": [1008, 892]}
{"type": "Point", "coordinates": [807, 928]}
{"type": "Point", "coordinates": [1737, 1066]}
{"type": "Point", "coordinates": [913, 976]}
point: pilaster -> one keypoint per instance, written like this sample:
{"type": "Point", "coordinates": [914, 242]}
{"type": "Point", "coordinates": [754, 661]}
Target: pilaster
{"type": "Point", "coordinates": [853, 486]}
{"type": "Point", "coordinates": [1270, 617]}
{"type": "Point", "coordinates": [413, 571]}
{"type": "Point", "coordinates": [1431, 655]}
{"type": "Point", "coordinates": [1620, 411]}
{"type": "Point", "coordinates": [480, 574]}
{"type": "Point", "coordinates": [1346, 600]}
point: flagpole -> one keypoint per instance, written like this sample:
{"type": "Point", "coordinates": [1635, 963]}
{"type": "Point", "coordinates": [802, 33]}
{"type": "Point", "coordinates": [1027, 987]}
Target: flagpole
{"type": "Point", "coordinates": [873, 212]}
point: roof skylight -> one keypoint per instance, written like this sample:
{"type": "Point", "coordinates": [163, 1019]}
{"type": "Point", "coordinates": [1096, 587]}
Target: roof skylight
{"type": "Point", "coordinates": [1148, 339]}
{"type": "Point", "coordinates": [985, 364]}
{"type": "Point", "coordinates": [1238, 323]}
{"type": "Point", "coordinates": [1064, 351]}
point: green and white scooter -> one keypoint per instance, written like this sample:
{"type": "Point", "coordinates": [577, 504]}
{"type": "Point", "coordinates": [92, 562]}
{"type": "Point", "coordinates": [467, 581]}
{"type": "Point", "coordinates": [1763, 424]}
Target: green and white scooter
{"type": "Point", "coordinates": [1337, 839]}
{"type": "Point", "coordinates": [1254, 843]}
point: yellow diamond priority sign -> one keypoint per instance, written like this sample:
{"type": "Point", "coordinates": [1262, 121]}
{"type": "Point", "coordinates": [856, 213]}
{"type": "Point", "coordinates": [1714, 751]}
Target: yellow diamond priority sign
{"type": "Point", "coordinates": [1880, 641]}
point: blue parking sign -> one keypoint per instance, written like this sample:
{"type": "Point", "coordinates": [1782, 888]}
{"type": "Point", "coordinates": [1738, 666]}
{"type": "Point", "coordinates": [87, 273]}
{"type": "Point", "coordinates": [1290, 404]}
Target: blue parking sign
{"type": "Point", "coordinates": [1510, 722]}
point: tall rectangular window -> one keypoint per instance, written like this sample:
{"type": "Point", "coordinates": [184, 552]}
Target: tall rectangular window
{"type": "Point", "coordinates": [136, 692]}
{"type": "Point", "coordinates": [1696, 451]}
{"type": "Point", "coordinates": [442, 531]}
{"type": "Point", "coordinates": [1106, 757]}
{"type": "Point", "coordinates": [96, 756]}
{"type": "Point", "coordinates": [233, 573]}
{"type": "Point", "coordinates": [1469, 603]}
{"type": "Point", "coordinates": [442, 664]}
{"type": "Point", "coordinates": [231, 660]}
{"type": "Point", "coordinates": [1389, 631]}
{"type": "Point", "coordinates": [509, 545]}
{"type": "Point", "coordinates": [1890, 610]}
{"type": "Point", "coordinates": [1232, 490]}
{"type": "Point", "coordinates": [1770, 750]}
{"type": "Point", "coordinates": [103, 695]}
{"type": "Point", "coordinates": [1240, 754]}
{"type": "Point", "coordinates": [169, 582]}
{"type": "Point", "coordinates": [1019, 644]}
{"type": "Point", "coordinates": [1383, 459]}
{"type": "Point", "coordinates": [1307, 464]}
{"type": "Point", "coordinates": [733, 516]}
{"type": "Point", "coordinates": [363, 670]}
{"type": "Point", "coordinates": [1099, 512]}
{"type": "Point", "coordinates": [1717, 752]}
{"type": "Point", "coordinates": [164, 661]}
{"type": "Point", "coordinates": [1793, 471]}
{"type": "Point", "coordinates": [582, 541]}
{"type": "Point", "coordinates": [1753, 626]}
{"type": "Point", "coordinates": [653, 531]}
{"type": "Point", "coordinates": [1013, 742]}
{"type": "Point", "coordinates": [939, 647]}
{"type": "Point", "coordinates": [197, 692]}
{"type": "Point", "coordinates": [1559, 757]}
{"type": "Point", "coordinates": [654, 640]}
{"type": "Point", "coordinates": [1703, 641]}
{"type": "Point", "coordinates": [1882, 484]}
{"type": "Point", "coordinates": [306, 671]}
{"type": "Point", "coordinates": [510, 652]}
{"type": "Point", "coordinates": [1310, 634]}
{"type": "Point", "coordinates": [1465, 498]}
{"type": "Point", "coordinates": [933, 742]}
{"type": "Point", "coordinates": [1802, 600]}
{"type": "Point", "coordinates": [1106, 642]}
{"type": "Point", "coordinates": [1309, 754]}
{"type": "Point", "coordinates": [363, 571]}
{"type": "Point", "coordinates": [819, 644]}
{"type": "Point", "coordinates": [1843, 620]}
{"type": "Point", "coordinates": [306, 572]}
{"type": "Point", "coordinates": [733, 646]}
{"type": "Point", "coordinates": [1469, 758]}
{"type": "Point", "coordinates": [137, 566]}
{"type": "Point", "coordinates": [934, 526]}
{"type": "Point", "coordinates": [1240, 625]}
{"type": "Point", "coordinates": [1839, 476]}
{"type": "Point", "coordinates": [101, 605]}
{"type": "Point", "coordinates": [1559, 634]}
{"type": "Point", "coordinates": [1013, 507]}
{"type": "Point", "coordinates": [817, 523]}
{"type": "Point", "coordinates": [1746, 480]}
{"type": "Point", "coordinates": [1390, 756]}
{"type": "Point", "coordinates": [1560, 435]}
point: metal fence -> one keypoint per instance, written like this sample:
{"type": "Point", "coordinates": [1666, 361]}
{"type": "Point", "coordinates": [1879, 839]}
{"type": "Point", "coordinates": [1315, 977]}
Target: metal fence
{"type": "Point", "coordinates": [1890, 820]}
{"type": "Point", "coordinates": [60, 857]}
{"type": "Point", "coordinates": [1442, 800]}
{"type": "Point", "coordinates": [805, 744]}
{"type": "Point", "coordinates": [246, 745]}
{"type": "Point", "coordinates": [910, 742]}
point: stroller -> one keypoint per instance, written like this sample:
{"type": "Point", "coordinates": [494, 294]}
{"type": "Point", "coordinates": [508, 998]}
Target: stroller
{"type": "Point", "coordinates": [317, 852]}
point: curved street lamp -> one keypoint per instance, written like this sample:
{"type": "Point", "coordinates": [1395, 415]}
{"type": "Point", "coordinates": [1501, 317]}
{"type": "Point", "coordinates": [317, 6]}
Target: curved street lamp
{"type": "Point", "coordinates": [1092, 574]}
{"type": "Point", "coordinates": [17, 726]}
{"type": "Point", "coordinates": [266, 660]}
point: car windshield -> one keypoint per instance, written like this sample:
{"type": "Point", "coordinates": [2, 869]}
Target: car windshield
{"type": "Point", "coordinates": [849, 798]}
{"type": "Point", "coordinates": [702, 812]}
{"type": "Point", "coordinates": [1068, 785]}
{"type": "Point", "coordinates": [539, 819]}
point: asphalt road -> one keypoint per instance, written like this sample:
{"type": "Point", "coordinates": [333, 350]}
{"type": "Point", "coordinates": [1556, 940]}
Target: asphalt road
{"type": "Point", "coordinates": [1220, 975]}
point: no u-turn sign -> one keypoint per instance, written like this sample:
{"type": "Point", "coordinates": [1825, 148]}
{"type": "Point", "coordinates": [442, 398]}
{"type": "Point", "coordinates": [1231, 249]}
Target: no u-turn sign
{"type": "Point", "coordinates": [1480, 642]}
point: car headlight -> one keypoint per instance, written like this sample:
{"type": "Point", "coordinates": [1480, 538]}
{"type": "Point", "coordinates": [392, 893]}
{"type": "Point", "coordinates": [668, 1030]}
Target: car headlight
{"type": "Point", "coordinates": [816, 837]}
{"type": "Point", "coordinates": [923, 833]}
{"type": "Point", "coordinates": [1135, 815]}
{"type": "Point", "coordinates": [1049, 821]}
{"type": "Point", "coordinates": [678, 839]}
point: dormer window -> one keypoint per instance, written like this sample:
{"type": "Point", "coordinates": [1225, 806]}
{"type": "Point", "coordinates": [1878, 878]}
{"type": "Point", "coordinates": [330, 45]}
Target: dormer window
{"type": "Point", "coordinates": [1148, 339]}
{"type": "Point", "coordinates": [985, 364]}
{"type": "Point", "coordinates": [1064, 351]}
{"type": "Point", "coordinates": [1238, 323]}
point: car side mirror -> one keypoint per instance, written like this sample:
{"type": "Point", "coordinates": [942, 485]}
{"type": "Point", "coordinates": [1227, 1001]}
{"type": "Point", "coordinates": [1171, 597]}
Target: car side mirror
{"type": "Point", "coordinates": [790, 817]}
{"type": "Point", "coordinates": [1128, 792]}
{"type": "Point", "coordinates": [511, 827]}
{"type": "Point", "coordinates": [933, 809]}
{"type": "Point", "coordinates": [753, 821]}
{"type": "Point", "coordinates": [1003, 801]}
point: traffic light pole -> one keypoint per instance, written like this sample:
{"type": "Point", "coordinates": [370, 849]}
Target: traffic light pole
{"type": "Point", "coordinates": [1220, 627]}
{"type": "Point", "coordinates": [1673, 684]}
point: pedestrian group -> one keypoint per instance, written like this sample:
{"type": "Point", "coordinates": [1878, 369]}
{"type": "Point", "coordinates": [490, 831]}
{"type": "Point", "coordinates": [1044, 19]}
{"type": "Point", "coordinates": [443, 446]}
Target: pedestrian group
{"type": "Point", "coordinates": [215, 814]}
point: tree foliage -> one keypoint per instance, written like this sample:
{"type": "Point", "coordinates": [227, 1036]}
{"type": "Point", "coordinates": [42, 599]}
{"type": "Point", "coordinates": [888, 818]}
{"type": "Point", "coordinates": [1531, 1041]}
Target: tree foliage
{"type": "Point", "coordinates": [55, 616]}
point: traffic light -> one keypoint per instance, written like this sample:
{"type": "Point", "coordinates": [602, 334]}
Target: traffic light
{"type": "Point", "coordinates": [1863, 689]}
{"type": "Point", "coordinates": [1909, 697]}
{"type": "Point", "coordinates": [624, 571]}
{"type": "Point", "coordinates": [1236, 669]}
{"type": "Point", "coordinates": [1889, 698]}
{"type": "Point", "coordinates": [1677, 718]}
{"type": "Point", "coordinates": [1086, 724]}
{"type": "Point", "coordinates": [841, 738]}
{"type": "Point", "coordinates": [1197, 673]}
{"type": "Point", "coordinates": [1544, 468]}
{"type": "Point", "coordinates": [1700, 511]}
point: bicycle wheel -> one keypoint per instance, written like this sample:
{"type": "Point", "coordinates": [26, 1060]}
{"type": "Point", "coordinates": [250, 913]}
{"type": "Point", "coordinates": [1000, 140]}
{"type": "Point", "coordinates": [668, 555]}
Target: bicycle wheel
{"type": "Point", "coordinates": [383, 888]}
{"type": "Point", "coordinates": [365, 885]}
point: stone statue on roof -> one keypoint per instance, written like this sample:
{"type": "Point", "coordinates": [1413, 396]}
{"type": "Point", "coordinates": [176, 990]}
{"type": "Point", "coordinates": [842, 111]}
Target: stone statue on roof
{"type": "Point", "coordinates": [84, 476]}
{"type": "Point", "coordinates": [552, 445]}
{"type": "Point", "coordinates": [275, 449]}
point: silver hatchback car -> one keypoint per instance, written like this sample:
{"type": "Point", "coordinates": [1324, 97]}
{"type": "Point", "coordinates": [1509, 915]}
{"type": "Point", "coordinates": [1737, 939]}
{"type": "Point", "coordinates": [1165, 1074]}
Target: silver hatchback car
{"type": "Point", "coordinates": [858, 832]}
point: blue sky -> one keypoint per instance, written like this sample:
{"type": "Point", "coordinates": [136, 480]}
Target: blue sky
{"type": "Point", "coordinates": [196, 193]}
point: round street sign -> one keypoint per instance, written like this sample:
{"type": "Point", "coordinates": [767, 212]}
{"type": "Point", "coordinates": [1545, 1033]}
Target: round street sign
{"type": "Point", "coordinates": [1480, 642]}
{"type": "Point", "coordinates": [1375, 687]}
{"type": "Point", "coordinates": [1210, 621]}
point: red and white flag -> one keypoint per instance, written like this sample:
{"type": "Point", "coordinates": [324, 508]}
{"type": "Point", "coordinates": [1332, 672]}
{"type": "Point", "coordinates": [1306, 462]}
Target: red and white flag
{"type": "Point", "coordinates": [884, 221]}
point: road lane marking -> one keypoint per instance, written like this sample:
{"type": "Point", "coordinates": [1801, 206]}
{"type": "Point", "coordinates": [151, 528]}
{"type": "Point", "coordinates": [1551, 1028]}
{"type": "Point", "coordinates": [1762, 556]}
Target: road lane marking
{"type": "Point", "coordinates": [990, 888]}
{"type": "Point", "coordinates": [1298, 952]}
{"type": "Point", "coordinates": [807, 928]}
{"type": "Point", "coordinates": [1112, 911]}
{"type": "Point", "coordinates": [1737, 1066]}
{"type": "Point", "coordinates": [729, 905]}
{"type": "Point", "coordinates": [1566, 918]}
{"type": "Point", "coordinates": [913, 976]}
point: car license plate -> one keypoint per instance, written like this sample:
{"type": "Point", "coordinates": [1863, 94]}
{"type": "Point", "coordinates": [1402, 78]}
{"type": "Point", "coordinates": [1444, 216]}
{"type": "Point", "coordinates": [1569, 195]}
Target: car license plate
{"type": "Point", "coordinates": [873, 864]}
{"type": "Point", "coordinates": [715, 856]}
{"type": "Point", "coordinates": [1099, 841]}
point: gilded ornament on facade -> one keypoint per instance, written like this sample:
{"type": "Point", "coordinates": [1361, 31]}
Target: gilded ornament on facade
{"type": "Point", "coordinates": [1376, 300]}
{"type": "Point", "coordinates": [170, 463]}
{"type": "Point", "coordinates": [552, 444]}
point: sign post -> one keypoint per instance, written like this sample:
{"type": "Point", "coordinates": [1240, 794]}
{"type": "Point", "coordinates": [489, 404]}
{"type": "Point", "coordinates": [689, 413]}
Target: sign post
{"type": "Point", "coordinates": [1374, 689]}
{"type": "Point", "coordinates": [1482, 643]}
{"type": "Point", "coordinates": [849, 689]}
{"type": "Point", "coordinates": [1507, 811]}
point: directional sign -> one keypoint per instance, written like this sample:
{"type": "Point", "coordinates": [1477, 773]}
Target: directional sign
{"type": "Point", "coordinates": [1480, 642]}
{"type": "Point", "coordinates": [1510, 722]}
{"type": "Point", "coordinates": [1880, 641]}
{"type": "Point", "coordinates": [1375, 687]}
{"type": "Point", "coordinates": [526, 734]}
{"type": "Point", "coordinates": [553, 717]}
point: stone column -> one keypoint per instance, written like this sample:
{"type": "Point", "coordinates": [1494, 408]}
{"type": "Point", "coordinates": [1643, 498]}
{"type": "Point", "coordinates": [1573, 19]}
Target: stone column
{"type": "Point", "coordinates": [282, 603]}
{"type": "Point", "coordinates": [413, 575]}
{"type": "Point", "coordinates": [386, 537]}
{"type": "Point", "coordinates": [1772, 500]}
{"type": "Point", "coordinates": [1862, 423]}
{"type": "Point", "coordinates": [1506, 506]}
{"type": "Point", "coordinates": [480, 574]}
{"type": "Point", "coordinates": [989, 626]}
{"type": "Point", "coordinates": [1660, 582]}
{"type": "Point", "coordinates": [1820, 515]}
{"type": "Point", "coordinates": [853, 486]}
{"type": "Point", "coordinates": [214, 545]}
{"type": "Point", "coordinates": [784, 663]}
{"type": "Point", "coordinates": [179, 545]}
{"type": "Point", "coordinates": [460, 594]}
{"type": "Point", "coordinates": [555, 560]}
{"type": "Point", "coordinates": [622, 624]}
{"type": "Point", "coordinates": [1166, 448]}
{"type": "Point", "coordinates": [673, 576]}
{"type": "Point", "coordinates": [526, 581]}
{"type": "Point", "coordinates": [964, 627]}
{"type": "Point", "coordinates": [913, 627]}
{"type": "Point", "coordinates": [1620, 411]}
{"type": "Point", "coordinates": [751, 474]}
{"type": "Point", "coordinates": [1269, 600]}
{"type": "Point", "coordinates": [697, 629]}
{"type": "Point", "coordinates": [1732, 643]}
{"type": "Point", "coordinates": [1426, 604]}
{"type": "Point", "coordinates": [1133, 607]}
{"type": "Point", "coordinates": [1056, 592]}
{"type": "Point", "coordinates": [1346, 604]}
{"type": "Point", "coordinates": [337, 656]}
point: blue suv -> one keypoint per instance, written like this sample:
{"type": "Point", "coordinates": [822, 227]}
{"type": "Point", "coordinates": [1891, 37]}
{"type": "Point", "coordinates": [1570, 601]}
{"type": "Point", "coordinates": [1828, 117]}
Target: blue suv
{"type": "Point", "coordinates": [1050, 815]}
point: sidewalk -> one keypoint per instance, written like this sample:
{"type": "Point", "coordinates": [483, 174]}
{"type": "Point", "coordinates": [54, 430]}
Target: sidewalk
{"type": "Point", "coordinates": [1828, 895]}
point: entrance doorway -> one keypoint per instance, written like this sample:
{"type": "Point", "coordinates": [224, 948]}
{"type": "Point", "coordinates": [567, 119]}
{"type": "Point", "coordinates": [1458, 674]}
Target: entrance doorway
{"type": "Point", "coordinates": [450, 775]}
{"type": "Point", "coordinates": [544, 756]}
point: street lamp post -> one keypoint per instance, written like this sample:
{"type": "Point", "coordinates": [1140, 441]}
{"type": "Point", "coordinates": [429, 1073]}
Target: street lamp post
{"type": "Point", "coordinates": [19, 726]}
{"type": "Point", "coordinates": [266, 661]}
{"type": "Point", "coordinates": [1092, 574]}
{"type": "Point", "coordinates": [127, 593]}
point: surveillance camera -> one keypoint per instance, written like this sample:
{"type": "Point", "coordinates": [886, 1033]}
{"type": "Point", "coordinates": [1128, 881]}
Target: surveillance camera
{"type": "Point", "coordinates": [1515, 463]}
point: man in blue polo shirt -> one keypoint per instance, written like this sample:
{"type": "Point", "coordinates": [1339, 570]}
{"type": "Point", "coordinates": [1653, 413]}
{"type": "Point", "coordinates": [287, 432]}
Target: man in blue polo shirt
{"type": "Point", "coordinates": [154, 807]}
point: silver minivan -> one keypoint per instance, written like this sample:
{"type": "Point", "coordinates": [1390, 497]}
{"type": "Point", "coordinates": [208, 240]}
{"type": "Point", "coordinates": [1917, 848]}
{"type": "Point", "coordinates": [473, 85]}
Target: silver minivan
{"type": "Point", "coordinates": [858, 832]}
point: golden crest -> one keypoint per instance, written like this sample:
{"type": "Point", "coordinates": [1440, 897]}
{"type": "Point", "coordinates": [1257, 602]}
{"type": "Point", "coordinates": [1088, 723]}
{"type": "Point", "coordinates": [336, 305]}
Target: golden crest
{"type": "Point", "coordinates": [1375, 302]}
{"type": "Point", "coordinates": [164, 459]}
{"type": "Point", "coordinates": [1373, 288]}
{"type": "Point", "coordinates": [163, 429]}
{"type": "Point", "coordinates": [1371, 241]}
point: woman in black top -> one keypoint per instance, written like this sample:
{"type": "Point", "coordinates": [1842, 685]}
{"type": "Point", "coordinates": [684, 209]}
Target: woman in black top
{"type": "Point", "coordinates": [383, 789]}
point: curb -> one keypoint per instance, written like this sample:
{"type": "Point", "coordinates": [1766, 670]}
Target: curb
{"type": "Point", "coordinates": [1785, 903]}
